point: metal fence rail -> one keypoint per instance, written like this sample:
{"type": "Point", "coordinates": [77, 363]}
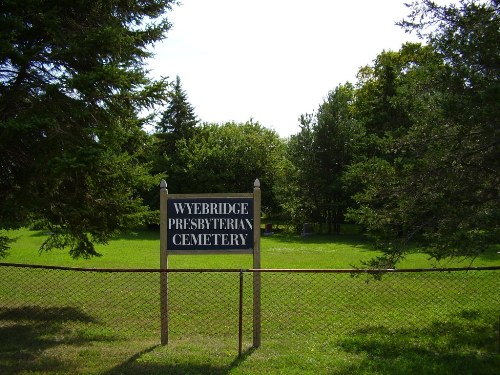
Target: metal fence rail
{"type": "Point", "coordinates": [302, 305]}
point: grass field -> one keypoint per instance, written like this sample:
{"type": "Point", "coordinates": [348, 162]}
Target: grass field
{"type": "Point", "coordinates": [139, 249]}
{"type": "Point", "coordinates": [103, 323]}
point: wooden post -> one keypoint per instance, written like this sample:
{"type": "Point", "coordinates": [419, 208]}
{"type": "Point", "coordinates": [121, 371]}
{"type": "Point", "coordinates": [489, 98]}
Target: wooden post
{"type": "Point", "coordinates": [240, 317]}
{"type": "Point", "coordinates": [256, 264]}
{"type": "Point", "coordinates": [163, 263]}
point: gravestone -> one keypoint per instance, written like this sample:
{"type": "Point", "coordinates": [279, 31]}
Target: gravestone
{"type": "Point", "coordinates": [307, 229]}
{"type": "Point", "coordinates": [268, 231]}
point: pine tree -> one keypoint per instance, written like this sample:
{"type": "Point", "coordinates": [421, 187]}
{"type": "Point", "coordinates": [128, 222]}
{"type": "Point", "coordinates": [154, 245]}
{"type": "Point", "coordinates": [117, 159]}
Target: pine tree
{"type": "Point", "coordinates": [72, 82]}
{"type": "Point", "coordinates": [179, 120]}
{"type": "Point", "coordinates": [177, 124]}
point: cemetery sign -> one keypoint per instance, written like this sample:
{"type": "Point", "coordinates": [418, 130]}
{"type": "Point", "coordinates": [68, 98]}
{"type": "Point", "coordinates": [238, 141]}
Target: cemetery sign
{"type": "Point", "coordinates": [208, 224]}
{"type": "Point", "coordinates": [226, 223]}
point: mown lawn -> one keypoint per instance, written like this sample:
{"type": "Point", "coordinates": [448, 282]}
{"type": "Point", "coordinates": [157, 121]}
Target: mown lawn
{"type": "Point", "coordinates": [140, 249]}
{"type": "Point", "coordinates": [108, 323]}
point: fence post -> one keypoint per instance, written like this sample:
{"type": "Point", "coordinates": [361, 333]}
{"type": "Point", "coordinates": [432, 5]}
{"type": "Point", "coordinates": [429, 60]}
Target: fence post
{"type": "Point", "coordinates": [240, 317]}
{"type": "Point", "coordinates": [256, 264]}
{"type": "Point", "coordinates": [163, 263]}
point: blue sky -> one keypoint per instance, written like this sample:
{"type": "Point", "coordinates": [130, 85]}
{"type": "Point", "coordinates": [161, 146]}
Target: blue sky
{"type": "Point", "coordinates": [272, 60]}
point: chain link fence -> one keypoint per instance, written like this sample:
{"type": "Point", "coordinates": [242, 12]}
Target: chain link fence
{"type": "Point", "coordinates": [301, 305]}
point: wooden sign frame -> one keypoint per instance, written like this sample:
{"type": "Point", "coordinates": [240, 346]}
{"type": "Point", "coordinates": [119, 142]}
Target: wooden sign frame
{"type": "Point", "coordinates": [254, 249]}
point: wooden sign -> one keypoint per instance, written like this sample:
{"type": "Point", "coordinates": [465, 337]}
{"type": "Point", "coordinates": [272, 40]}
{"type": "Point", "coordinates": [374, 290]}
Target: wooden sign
{"type": "Point", "coordinates": [210, 224]}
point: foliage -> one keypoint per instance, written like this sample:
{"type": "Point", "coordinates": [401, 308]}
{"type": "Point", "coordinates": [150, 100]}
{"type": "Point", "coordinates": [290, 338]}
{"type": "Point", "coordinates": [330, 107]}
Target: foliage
{"type": "Point", "coordinates": [4, 244]}
{"type": "Point", "coordinates": [71, 84]}
{"type": "Point", "coordinates": [178, 120]}
{"type": "Point", "coordinates": [228, 158]}
{"type": "Point", "coordinates": [319, 154]}
{"type": "Point", "coordinates": [411, 151]}
{"type": "Point", "coordinates": [177, 124]}
{"type": "Point", "coordinates": [434, 176]}
{"type": "Point", "coordinates": [292, 179]}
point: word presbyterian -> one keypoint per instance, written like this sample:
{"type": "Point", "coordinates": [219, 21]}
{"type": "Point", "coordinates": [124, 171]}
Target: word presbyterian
{"type": "Point", "coordinates": [209, 224]}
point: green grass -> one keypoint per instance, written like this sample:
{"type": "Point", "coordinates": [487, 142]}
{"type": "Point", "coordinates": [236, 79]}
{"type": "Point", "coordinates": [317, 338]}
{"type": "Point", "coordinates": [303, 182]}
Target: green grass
{"type": "Point", "coordinates": [140, 249]}
{"type": "Point", "coordinates": [108, 323]}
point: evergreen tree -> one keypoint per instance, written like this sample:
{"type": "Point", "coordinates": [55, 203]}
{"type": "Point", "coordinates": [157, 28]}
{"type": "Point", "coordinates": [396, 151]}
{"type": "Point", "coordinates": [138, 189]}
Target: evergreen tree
{"type": "Point", "coordinates": [72, 82]}
{"type": "Point", "coordinates": [179, 120]}
{"type": "Point", "coordinates": [435, 178]}
{"type": "Point", "coordinates": [177, 124]}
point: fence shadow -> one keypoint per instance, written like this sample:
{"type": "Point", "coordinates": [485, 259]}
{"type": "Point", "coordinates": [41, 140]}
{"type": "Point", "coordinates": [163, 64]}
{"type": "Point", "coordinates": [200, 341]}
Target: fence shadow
{"type": "Point", "coordinates": [27, 332]}
{"type": "Point", "coordinates": [134, 366]}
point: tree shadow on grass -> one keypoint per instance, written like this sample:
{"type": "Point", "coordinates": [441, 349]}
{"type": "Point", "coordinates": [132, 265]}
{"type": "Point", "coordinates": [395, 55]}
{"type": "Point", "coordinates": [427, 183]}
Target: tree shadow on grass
{"type": "Point", "coordinates": [464, 344]}
{"type": "Point", "coordinates": [45, 314]}
{"type": "Point", "coordinates": [27, 332]}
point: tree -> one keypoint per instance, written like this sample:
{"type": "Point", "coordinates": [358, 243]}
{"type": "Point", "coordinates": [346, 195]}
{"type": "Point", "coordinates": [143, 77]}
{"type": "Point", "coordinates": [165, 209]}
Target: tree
{"type": "Point", "coordinates": [335, 135]}
{"type": "Point", "coordinates": [179, 120]}
{"type": "Point", "coordinates": [228, 157]}
{"type": "Point", "coordinates": [178, 123]}
{"type": "Point", "coordinates": [295, 186]}
{"type": "Point", "coordinates": [438, 181]}
{"type": "Point", "coordinates": [319, 155]}
{"type": "Point", "coordinates": [72, 82]}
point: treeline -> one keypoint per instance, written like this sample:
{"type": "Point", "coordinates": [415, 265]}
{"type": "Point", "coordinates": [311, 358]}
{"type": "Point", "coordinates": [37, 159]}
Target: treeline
{"type": "Point", "coordinates": [410, 150]}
